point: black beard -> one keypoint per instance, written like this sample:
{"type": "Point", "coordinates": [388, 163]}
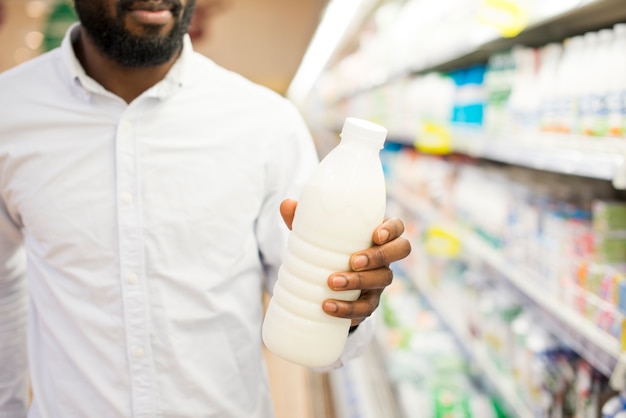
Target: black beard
{"type": "Point", "coordinates": [112, 38]}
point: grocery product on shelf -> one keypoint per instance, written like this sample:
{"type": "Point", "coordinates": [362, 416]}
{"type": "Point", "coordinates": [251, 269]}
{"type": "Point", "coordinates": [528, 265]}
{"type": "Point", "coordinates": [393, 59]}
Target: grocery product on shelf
{"type": "Point", "coordinates": [468, 106]}
{"type": "Point", "coordinates": [432, 374]}
{"type": "Point", "coordinates": [542, 262]}
{"type": "Point", "coordinates": [508, 336]}
{"type": "Point", "coordinates": [616, 100]}
{"type": "Point", "coordinates": [614, 406]}
{"type": "Point", "coordinates": [339, 208]}
{"type": "Point", "coordinates": [566, 232]}
{"type": "Point", "coordinates": [573, 87]}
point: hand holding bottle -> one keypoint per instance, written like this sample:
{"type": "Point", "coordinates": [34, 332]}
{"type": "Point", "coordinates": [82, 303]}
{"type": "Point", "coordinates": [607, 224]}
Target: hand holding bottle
{"type": "Point", "coordinates": [329, 279]}
{"type": "Point", "coordinates": [370, 268]}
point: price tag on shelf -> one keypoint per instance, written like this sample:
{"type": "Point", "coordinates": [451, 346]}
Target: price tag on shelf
{"type": "Point", "coordinates": [434, 138]}
{"type": "Point", "coordinates": [442, 242]}
{"type": "Point", "coordinates": [509, 17]}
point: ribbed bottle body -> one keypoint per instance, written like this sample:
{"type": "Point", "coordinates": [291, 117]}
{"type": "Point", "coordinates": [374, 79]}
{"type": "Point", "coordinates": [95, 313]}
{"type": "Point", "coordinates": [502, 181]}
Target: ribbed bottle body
{"type": "Point", "coordinates": [337, 213]}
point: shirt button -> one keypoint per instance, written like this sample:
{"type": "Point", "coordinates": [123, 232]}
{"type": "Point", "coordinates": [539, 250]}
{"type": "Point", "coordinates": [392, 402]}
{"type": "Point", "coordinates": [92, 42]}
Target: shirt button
{"type": "Point", "coordinates": [127, 198]}
{"type": "Point", "coordinates": [132, 278]}
{"type": "Point", "coordinates": [139, 352]}
{"type": "Point", "coordinates": [126, 126]}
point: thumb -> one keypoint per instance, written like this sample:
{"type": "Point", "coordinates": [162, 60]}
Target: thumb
{"type": "Point", "coordinates": [288, 210]}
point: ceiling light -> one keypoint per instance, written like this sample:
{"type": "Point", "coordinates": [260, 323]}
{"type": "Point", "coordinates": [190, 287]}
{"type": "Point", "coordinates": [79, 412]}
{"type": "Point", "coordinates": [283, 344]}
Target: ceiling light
{"type": "Point", "coordinates": [338, 17]}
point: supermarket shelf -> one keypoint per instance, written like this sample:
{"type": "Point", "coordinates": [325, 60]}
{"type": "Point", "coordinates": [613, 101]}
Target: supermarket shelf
{"type": "Point", "coordinates": [600, 158]}
{"type": "Point", "coordinates": [360, 389]}
{"type": "Point", "coordinates": [504, 385]}
{"type": "Point", "coordinates": [566, 18]}
{"type": "Point", "coordinates": [599, 348]}
{"type": "Point", "coordinates": [572, 18]}
{"type": "Point", "coordinates": [593, 157]}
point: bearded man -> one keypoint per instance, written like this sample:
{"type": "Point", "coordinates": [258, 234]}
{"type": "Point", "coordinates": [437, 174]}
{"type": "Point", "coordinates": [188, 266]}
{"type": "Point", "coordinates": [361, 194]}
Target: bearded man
{"type": "Point", "coordinates": [141, 194]}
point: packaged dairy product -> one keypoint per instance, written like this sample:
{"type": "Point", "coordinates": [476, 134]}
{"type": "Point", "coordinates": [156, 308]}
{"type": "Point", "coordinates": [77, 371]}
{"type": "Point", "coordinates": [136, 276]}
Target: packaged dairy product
{"type": "Point", "coordinates": [337, 213]}
{"type": "Point", "coordinates": [614, 406]}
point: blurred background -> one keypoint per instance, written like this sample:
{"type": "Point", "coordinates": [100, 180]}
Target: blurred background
{"type": "Point", "coordinates": [261, 39]}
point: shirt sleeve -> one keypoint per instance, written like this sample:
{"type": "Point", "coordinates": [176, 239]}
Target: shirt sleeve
{"type": "Point", "coordinates": [14, 382]}
{"type": "Point", "coordinates": [291, 162]}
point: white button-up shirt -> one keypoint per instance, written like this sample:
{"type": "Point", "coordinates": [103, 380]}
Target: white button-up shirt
{"type": "Point", "coordinates": [136, 240]}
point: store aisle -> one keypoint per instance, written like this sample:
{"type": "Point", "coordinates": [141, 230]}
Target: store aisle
{"type": "Point", "coordinates": [298, 392]}
{"type": "Point", "coordinates": [290, 388]}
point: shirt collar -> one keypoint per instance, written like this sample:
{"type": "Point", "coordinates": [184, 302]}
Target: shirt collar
{"type": "Point", "coordinates": [175, 78]}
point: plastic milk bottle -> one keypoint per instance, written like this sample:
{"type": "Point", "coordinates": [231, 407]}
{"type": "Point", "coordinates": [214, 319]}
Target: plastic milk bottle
{"type": "Point", "coordinates": [337, 213]}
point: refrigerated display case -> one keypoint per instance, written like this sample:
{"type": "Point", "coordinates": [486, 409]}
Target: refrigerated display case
{"type": "Point", "coordinates": [506, 159]}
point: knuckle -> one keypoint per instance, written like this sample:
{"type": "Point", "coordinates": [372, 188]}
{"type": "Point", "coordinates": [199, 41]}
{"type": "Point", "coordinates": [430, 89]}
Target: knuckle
{"type": "Point", "coordinates": [380, 256]}
{"type": "Point", "coordinates": [360, 280]}
{"type": "Point", "coordinates": [348, 309]}
{"type": "Point", "coordinates": [371, 302]}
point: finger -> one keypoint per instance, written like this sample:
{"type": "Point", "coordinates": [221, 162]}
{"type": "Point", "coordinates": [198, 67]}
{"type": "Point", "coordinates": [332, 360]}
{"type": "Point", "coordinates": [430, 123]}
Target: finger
{"type": "Point", "coordinates": [361, 280]}
{"type": "Point", "coordinates": [288, 210]}
{"type": "Point", "coordinates": [389, 230]}
{"type": "Point", "coordinates": [356, 310]}
{"type": "Point", "coordinates": [380, 255]}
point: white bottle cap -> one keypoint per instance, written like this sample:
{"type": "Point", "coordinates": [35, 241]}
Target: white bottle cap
{"type": "Point", "coordinates": [360, 128]}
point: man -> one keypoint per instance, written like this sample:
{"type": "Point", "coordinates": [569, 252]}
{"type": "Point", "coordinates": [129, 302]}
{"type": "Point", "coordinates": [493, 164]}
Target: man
{"type": "Point", "coordinates": [140, 187]}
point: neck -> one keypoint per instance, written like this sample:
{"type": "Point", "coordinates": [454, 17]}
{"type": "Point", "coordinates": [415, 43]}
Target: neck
{"type": "Point", "coordinates": [126, 82]}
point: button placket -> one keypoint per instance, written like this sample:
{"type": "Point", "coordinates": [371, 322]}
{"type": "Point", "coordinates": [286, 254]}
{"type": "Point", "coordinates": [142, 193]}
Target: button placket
{"type": "Point", "coordinates": [134, 293]}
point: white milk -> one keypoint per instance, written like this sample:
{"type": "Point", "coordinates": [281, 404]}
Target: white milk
{"type": "Point", "coordinates": [341, 205]}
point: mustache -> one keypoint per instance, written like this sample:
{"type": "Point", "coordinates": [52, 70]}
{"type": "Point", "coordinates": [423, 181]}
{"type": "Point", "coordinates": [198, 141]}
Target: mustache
{"type": "Point", "coordinates": [175, 6]}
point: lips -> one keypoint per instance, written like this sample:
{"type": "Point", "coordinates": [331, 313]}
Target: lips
{"type": "Point", "coordinates": [173, 6]}
{"type": "Point", "coordinates": [147, 12]}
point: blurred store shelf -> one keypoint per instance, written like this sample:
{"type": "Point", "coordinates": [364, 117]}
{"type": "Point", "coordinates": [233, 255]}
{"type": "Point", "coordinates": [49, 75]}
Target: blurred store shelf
{"type": "Point", "coordinates": [600, 349]}
{"type": "Point", "coordinates": [503, 385]}
{"type": "Point", "coordinates": [550, 21]}
{"type": "Point", "coordinates": [594, 157]}
{"type": "Point", "coordinates": [361, 387]}
{"type": "Point", "coordinates": [572, 16]}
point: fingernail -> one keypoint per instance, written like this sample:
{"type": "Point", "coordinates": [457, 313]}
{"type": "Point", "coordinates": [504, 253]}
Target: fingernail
{"type": "Point", "coordinates": [330, 307]}
{"type": "Point", "coordinates": [383, 235]}
{"type": "Point", "coordinates": [359, 261]}
{"type": "Point", "coordinates": [340, 282]}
